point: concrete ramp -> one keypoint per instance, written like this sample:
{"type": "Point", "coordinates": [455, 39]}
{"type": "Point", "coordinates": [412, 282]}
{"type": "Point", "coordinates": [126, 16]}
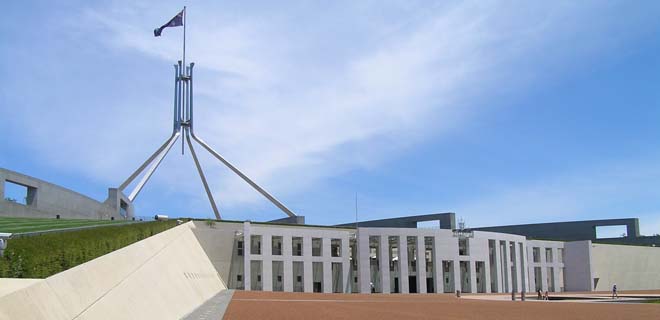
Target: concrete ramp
{"type": "Point", "coordinates": [165, 276]}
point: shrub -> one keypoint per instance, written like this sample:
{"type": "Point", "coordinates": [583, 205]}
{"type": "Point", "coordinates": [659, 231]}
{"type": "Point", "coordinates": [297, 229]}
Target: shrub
{"type": "Point", "coordinates": [44, 255]}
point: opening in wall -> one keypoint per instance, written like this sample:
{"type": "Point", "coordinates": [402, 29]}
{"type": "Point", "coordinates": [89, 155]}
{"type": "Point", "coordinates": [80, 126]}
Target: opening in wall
{"type": "Point", "coordinates": [611, 231]}
{"type": "Point", "coordinates": [18, 193]}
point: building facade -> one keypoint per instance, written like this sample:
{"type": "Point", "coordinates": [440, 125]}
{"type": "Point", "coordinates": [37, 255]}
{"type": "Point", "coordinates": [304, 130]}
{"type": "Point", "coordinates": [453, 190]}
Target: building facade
{"type": "Point", "coordinates": [301, 258]}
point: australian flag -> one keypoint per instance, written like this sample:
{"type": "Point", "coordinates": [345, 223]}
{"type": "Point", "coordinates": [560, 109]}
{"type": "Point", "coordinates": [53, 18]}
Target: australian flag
{"type": "Point", "coordinates": [175, 22]}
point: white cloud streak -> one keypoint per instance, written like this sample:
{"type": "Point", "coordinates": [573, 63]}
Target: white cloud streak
{"type": "Point", "coordinates": [291, 101]}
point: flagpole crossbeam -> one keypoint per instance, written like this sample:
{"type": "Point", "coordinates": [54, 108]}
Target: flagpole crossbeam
{"type": "Point", "coordinates": [183, 127]}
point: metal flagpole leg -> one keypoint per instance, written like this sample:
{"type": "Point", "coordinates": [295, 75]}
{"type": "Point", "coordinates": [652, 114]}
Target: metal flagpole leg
{"type": "Point", "coordinates": [201, 176]}
{"type": "Point", "coordinates": [146, 163]}
{"type": "Point", "coordinates": [244, 177]}
{"type": "Point", "coordinates": [153, 167]}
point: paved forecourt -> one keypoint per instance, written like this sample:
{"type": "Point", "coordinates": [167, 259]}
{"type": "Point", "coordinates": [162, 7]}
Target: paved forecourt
{"type": "Point", "coordinates": [284, 305]}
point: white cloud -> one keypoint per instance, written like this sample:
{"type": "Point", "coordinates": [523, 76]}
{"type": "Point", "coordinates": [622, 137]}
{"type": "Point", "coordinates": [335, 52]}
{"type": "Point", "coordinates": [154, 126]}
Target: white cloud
{"type": "Point", "coordinates": [289, 113]}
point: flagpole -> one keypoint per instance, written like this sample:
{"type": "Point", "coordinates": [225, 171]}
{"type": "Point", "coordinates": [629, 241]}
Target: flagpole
{"type": "Point", "coordinates": [184, 39]}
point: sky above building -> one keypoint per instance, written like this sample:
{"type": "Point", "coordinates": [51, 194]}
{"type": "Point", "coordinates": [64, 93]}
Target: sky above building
{"type": "Point", "coordinates": [504, 112]}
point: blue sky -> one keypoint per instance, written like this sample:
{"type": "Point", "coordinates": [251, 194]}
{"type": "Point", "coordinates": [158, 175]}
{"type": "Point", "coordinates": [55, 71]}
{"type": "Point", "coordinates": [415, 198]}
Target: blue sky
{"type": "Point", "coordinates": [503, 112]}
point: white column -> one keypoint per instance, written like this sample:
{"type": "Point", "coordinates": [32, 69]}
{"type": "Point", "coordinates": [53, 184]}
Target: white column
{"type": "Point", "coordinates": [437, 266]}
{"type": "Point", "coordinates": [327, 265]}
{"type": "Point", "coordinates": [308, 273]}
{"type": "Point", "coordinates": [421, 265]}
{"type": "Point", "coordinates": [507, 265]}
{"type": "Point", "coordinates": [287, 270]}
{"type": "Point", "coordinates": [473, 276]}
{"type": "Point", "coordinates": [246, 256]}
{"type": "Point", "coordinates": [384, 260]}
{"type": "Point", "coordinates": [267, 262]}
{"type": "Point", "coordinates": [487, 274]}
{"type": "Point", "coordinates": [544, 269]}
{"type": "Point", "coordinates": [403, 264]}
{"type": "Point", "coordinates": [498, 268]}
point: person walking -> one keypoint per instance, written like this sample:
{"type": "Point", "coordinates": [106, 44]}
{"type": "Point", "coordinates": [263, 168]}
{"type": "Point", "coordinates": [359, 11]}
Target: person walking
{"type": "Point", "coordinates": [614, 293]}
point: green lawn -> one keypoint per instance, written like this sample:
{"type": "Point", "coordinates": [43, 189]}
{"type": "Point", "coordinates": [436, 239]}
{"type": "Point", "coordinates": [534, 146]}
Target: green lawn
{"type": "Point", "coordinates": [20, 225]}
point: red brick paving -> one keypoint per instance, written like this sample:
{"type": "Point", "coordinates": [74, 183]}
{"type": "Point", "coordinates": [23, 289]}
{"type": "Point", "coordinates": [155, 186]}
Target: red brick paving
{"type": "Point", "coordinates": [281, 305]}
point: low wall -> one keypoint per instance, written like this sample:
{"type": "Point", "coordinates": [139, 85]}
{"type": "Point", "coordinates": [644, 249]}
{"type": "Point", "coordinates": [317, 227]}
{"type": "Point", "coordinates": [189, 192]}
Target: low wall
{"type": "Point", "coordinates": [165, 276]}
{"type": "Point", "coordinates": [630, 267]}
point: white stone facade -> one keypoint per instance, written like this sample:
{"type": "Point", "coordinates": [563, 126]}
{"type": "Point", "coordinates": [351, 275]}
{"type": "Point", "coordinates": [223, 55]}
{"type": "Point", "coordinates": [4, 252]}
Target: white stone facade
{"type": "Point", "coordinates": [493, 262]}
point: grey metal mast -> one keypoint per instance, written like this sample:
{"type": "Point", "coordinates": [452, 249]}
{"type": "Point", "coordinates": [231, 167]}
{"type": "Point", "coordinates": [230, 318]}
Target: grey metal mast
{"type": "Point", "coordinates": [183, 127]}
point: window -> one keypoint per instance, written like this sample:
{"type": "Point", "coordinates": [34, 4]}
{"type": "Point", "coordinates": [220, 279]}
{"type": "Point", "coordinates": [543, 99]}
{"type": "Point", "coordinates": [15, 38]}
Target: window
{"type": "Point", "coordinates": [463, 247]}
{"type": "Point", "coordinates": [317, 247]}
{"type": "Point", "coordinates": [536, 253]}
{"type": "Point", "coordinates": [239, 248]}
{"type": "Point", "coordinates": [335, 247]}
{"type": "Point", "coordinates": [277, 245]}
{"type": "Point", "coordinates": [255, 244]}
{"type": "Point", "coordinates": [239, 277]}
{"type": "Point", "coordinates": [296, 243]}
{"type": "Point", "coordinates": [548, 255]}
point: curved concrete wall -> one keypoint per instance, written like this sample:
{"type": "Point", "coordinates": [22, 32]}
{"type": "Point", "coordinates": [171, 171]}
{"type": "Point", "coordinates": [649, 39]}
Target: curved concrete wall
{"type": "Point", "coordinates": [165, 276]}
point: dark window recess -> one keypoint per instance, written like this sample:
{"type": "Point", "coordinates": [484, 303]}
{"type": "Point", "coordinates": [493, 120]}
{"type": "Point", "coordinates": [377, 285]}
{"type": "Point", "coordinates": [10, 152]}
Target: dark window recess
{"type": "Point", "coordinates": [239, 277]}
{"type": "Point", "coordinates": [258, 278]}
{"type": "Point", "coordinates": [279, 278]}
{"type": "Point", "coordinates": [299, 278]}
{"type": "Point", "coordinates": [240, 248]}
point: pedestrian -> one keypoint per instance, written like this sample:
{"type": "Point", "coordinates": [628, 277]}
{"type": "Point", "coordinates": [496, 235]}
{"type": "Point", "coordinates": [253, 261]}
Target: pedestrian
{"type": "Point", "coordinates": [546, 296]}
{"type": "Point", "coordinates": [539, 295]}
{"type": "Point", "coordinates": [614, 293]}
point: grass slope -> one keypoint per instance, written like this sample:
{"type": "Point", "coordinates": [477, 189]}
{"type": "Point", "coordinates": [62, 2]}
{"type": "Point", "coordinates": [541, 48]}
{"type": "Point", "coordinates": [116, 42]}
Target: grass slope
{"type": "Point", "coordinates": [47, 254]}
{"type": "Point", "coordinates": [19, 225]}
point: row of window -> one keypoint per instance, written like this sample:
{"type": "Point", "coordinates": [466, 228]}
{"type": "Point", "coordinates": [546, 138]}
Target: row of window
{"type": "Point", "coordinates": [296, 246]}
{"type": "Point", "coordinates": [536, 255]}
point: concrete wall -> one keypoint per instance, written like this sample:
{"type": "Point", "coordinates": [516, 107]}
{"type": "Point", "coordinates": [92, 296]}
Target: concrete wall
{"type": "Point", "coordinates": [567, 231]}
{"type": "Point", "coordinates": [165, 276]}
{"type": "Point", "coordinates": [48, 200]}
{"type": "Point", "coordinates": [630, 267]}
{"type": "Point", "coordinates": [217, 241]}
{"type": "Point", "coordinates": [578, 264]}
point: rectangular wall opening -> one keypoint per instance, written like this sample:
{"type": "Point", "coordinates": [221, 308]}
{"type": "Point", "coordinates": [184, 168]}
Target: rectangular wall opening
{"type": "Point", "coordinates": [480, 270]}
{"type": "Point", "coordinates": [276, 244]}
{"type": "Point", "coordinates": [337, 276]}
{"type": "Point", "coordinates": [298, 273]}
{"type": "Point", "coordinates": [317, 276]}
{"type": "Point", "coordinates": [317, 247]}
{"type": "Point", "coordinates": [466, 285]}
{"type": "Point", "coordinates": [353, 272]}
{"type": "Point", "coordinates": [19, 193]}
{"type": "Point", "coordinates": [551, 279]}
{"type": "Point", "coordinates": [429, 256]}
{"type": "Point", "coordinates": [448, 276]}
{"type": "Point", "coordinates": [611, 231]}
{"type": "Point", "coordinates": [297, 246]}
{"type": "Point", "coordinates": [492, 261]}
{"type": "Point", "coordinates": [394, 263]}
{"type": "Point", "coordinates": [255, 275]}
{"type": "Point", "coordinates": [255, 244]}
{"type": "Point", "coordinates": [374, 264]}
{"type": "Point", "coordinates": [335, 248]}
{"type": "Point", "coordinates": [538, 279]}
{"type": "Point", "coordinates": [412, 264]}
{"type": "Point", "coordinates": [278, 276]}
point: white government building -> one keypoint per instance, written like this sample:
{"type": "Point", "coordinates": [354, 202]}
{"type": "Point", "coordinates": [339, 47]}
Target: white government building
{"type": "Point", "coordinates": [407, 259]}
